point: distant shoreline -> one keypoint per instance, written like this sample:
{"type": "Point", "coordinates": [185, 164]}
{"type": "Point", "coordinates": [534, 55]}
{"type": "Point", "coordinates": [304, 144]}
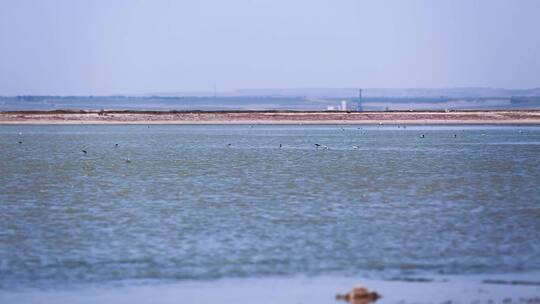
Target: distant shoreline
{"type": "Point", "coordinates": [271, 117]}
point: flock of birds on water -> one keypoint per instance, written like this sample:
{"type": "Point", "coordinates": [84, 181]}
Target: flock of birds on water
{"type": "Point", "coordinates": [317, 145]}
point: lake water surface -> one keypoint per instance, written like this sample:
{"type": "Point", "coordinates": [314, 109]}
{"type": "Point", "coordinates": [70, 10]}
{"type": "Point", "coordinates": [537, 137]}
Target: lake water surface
{"type": "Point", "coordinates": [207, 202]}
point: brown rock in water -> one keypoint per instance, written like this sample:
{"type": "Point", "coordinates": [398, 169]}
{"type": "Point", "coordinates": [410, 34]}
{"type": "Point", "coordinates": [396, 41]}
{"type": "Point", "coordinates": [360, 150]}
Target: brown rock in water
{"type": "Point", "coordinates": [359, 295]}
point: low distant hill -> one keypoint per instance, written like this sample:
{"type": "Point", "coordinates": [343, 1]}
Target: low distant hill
{"type": "Point", "coordinates": [465, 92]}
{"type": "Point", "coordinates": [290, 99]}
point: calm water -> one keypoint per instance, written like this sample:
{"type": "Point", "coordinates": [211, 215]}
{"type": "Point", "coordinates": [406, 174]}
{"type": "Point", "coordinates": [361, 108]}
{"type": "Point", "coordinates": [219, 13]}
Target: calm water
{"type": "Point", "coordinates": [189, 206]}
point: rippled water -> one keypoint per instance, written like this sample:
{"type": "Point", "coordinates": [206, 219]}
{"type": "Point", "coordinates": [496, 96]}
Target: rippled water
{"type": "Point", "coordinates": [191, 206]}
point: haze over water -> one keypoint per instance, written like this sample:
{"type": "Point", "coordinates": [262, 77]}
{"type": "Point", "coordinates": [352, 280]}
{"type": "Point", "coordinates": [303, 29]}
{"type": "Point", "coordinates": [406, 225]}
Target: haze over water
{"type": "Point", "coordinates": [190, 206]}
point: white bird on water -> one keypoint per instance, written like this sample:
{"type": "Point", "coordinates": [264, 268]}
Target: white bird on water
{"type": "Point", "coordinates": [321, 146]}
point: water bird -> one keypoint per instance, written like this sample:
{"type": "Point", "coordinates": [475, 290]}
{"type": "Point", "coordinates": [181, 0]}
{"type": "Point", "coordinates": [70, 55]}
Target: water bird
{"type": "Point", "coordinates": [116, 145]}
{"type": "Point", "coordinates": [229, 145]}
{"type": "Point", "coordinates": [280, 146]}
{"type": "Point", "coordinates": [84, 151]}
{"type": "Point", "coordinates": [422, 136]}
{"type": "Point", "coordinates": [455, 135]}
{"type": "Point", "coordinates": [20, 142]}
{"type": "Point", "coordinates": [128, 160]}
{"type": "Point", "coordinates": [359, 295]}
{"type": "Point", "coordinates": [355, 147]}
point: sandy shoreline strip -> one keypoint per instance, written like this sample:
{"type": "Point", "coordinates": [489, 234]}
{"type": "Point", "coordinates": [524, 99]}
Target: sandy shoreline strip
{"type": "Point", "coordinates": [271, 117]}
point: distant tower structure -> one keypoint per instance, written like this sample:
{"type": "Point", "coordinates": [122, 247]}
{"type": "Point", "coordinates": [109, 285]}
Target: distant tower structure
{"type": "Point", "coordinates": [359, 102]}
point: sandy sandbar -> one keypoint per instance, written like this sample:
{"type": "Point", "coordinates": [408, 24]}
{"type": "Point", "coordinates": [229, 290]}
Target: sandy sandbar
{"type": "Point", "coordinates": [271, 117]}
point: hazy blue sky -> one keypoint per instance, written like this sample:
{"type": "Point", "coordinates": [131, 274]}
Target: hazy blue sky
{"type": "Point", "coordinates": [112, 46]}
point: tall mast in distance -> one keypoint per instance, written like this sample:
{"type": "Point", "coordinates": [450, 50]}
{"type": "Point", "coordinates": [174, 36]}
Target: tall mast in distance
{"type": "Point", "coordinates": [359, 102]}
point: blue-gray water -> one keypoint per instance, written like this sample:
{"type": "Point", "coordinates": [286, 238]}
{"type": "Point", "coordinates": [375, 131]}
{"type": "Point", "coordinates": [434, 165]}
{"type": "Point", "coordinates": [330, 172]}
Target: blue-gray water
{"type": "Point", "coordinates": [189, 206]}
